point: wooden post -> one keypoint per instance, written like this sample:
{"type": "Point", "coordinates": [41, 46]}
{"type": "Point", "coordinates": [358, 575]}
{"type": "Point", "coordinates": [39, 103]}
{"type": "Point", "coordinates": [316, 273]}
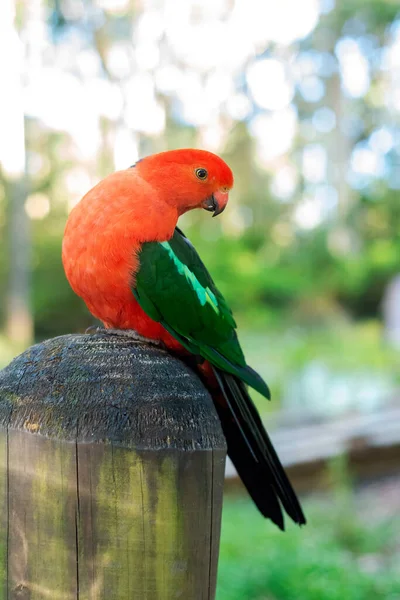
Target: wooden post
{"type": "Point", "coordinates": [111, 474]}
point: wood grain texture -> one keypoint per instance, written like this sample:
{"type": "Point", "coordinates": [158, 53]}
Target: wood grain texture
{"type": "Point", "coordinates": [111, 470]}
{"type": "Point", "coordinates": [3, 513]}
{"type": "Point", "coordinates": [42, 507]}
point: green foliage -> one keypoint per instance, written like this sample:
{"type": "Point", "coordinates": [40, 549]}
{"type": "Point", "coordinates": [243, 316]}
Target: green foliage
{"type": "Point", "coordinates": [376, 13]}
{"type": "Point", "coordinates": [261, 280]}
{"type": "Point", "coordinates": [267, 265]}
{"type": "Point", "coordinates": [281, 349]}
{"type": "Point", "coordinates": [257, 274]}
{"type": "Point", "coordinates": [7, 351]}
{"type": "Point", "coordinates": [57, 309]}
{"type": "Point", "coordinates": [322, 561]}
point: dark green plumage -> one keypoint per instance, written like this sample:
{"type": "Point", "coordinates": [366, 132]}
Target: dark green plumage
{"type": "Point", "coordinates": [174, 287]}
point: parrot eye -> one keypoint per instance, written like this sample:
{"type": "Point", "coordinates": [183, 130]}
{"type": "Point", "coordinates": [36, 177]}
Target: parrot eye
{"type": "Point", "coordinates": [201, 174]}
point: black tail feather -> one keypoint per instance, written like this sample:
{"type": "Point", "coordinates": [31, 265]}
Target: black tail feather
{"type": "Point", "coordinates": [252, 453]}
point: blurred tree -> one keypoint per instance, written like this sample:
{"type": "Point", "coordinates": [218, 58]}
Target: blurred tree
{"type": "Point", "coordinates": [306, 110]}
{"type": "Point", "coordinates": [19, 322]}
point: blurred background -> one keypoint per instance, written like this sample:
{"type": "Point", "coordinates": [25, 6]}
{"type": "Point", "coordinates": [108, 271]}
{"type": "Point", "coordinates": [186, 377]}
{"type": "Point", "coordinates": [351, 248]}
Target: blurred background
{"type": "Point", "coordinates": [302, 99]}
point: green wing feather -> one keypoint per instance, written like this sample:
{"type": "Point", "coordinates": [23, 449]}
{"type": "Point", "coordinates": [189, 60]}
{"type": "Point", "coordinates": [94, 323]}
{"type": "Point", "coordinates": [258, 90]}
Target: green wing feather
{"type": "Point", "coordinates": [174, 288]}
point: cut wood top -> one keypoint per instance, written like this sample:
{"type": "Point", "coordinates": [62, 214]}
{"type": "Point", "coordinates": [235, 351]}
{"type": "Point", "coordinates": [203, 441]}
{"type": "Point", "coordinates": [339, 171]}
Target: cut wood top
{"type": "Point", "coordinates": [108, 387]}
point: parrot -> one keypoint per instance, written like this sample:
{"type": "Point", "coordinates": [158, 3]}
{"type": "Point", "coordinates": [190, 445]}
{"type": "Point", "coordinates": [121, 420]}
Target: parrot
{"type": "Point", "coordinates": [124, 255]}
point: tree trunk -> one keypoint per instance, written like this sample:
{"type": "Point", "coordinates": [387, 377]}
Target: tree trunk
{"type": "Point", "coordinates": [19, 322]}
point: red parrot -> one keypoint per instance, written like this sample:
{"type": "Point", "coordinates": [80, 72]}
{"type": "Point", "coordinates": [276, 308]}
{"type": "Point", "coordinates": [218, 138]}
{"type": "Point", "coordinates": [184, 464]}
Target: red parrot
{"type": "Point", "coordinates": [124, 255]}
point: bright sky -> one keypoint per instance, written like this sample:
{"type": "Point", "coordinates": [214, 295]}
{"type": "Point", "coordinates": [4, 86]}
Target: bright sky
{"type": "Point", "coordinates": [216, 65]}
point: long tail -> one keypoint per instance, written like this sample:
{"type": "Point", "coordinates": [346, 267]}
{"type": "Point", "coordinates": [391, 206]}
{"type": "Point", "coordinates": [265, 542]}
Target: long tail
{"type": "Point", "coordinates": [252, 453]}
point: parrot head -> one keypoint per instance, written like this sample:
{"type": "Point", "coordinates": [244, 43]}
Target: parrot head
{"type": "Point", "coordinates": [189, 179]}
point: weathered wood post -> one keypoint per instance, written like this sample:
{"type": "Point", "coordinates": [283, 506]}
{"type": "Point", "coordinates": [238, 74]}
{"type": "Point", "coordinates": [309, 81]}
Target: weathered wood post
{"type": "Point", "coordinates": [111, 474]}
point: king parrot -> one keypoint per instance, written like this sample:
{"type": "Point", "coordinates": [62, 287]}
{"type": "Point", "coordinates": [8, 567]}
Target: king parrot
{"type": "Point", "coordinates": [125, 256]}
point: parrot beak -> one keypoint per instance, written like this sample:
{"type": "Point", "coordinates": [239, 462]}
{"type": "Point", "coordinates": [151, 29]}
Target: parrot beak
{"type": "Point", "coordinates": [216, 203]}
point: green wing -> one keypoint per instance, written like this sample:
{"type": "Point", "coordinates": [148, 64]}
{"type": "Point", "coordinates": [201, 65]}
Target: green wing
{"type": "Point", "coordinates": [174, 288]}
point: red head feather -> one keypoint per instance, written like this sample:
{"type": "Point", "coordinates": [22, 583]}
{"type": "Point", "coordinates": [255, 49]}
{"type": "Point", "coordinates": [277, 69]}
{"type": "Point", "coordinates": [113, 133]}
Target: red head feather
{"type": "Point", "coordinates": [188, 178]}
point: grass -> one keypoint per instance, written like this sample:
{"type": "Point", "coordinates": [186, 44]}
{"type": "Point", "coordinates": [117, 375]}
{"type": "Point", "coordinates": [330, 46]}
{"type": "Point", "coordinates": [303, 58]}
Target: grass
{"type": "Point", "coordinates": [339, 555]}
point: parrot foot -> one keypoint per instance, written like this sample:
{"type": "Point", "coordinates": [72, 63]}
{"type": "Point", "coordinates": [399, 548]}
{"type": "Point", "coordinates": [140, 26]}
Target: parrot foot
{"type": "Point", "coordinates": [129, 333]}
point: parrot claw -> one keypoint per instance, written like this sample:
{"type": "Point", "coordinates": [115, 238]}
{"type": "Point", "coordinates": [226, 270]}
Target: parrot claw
{"type": "Point", "coordinates": [93, 329]}
{"type": "Point", "coordinates": [129, 333]}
